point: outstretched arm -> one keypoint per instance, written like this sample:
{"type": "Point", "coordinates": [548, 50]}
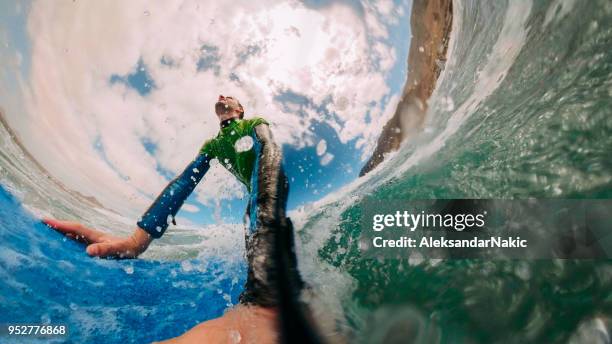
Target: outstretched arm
{"type": "Point", "coordinates": [152, 225]}
{"type": "Point", "coordinates": [161, 213]}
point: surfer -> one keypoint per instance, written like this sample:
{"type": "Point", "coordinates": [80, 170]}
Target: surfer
{"type": "Point", "coordinates": [245, 147]}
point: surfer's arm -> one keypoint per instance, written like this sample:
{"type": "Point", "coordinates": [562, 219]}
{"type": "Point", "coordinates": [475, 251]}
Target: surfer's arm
{"type": "Point", "coordinates": [152, 224]}
{"type": "Point", "coordinates": [271, 180]}
{"type": "Point", "coordinates": [161, 213]}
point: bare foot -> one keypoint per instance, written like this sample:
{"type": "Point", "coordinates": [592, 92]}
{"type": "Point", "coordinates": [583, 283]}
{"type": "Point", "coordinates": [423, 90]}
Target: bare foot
{"type": "Point", "coordinates": [241, 324]}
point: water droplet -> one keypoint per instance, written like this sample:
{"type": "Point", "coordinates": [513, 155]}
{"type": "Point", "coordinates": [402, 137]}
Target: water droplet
{"type": "Point", "coordinates": [129, 269]}
{"type": "Point", "coordinates": [244, 144]}
{"type": "Point", "coordinates": [186, 266]}
{"type": "Point", "coordinates": [321, 147]}
{"type": "Point", "coordinates": [326, 159]}
{"type": "Point", "coordinates": [415, 259]}
{"type": "Point", "coordinates": [235, 336]}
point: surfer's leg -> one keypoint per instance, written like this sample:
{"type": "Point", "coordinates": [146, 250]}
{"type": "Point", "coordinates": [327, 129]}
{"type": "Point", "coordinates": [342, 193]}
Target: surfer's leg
{"type": "Point", "coordinates": [241, 324]}
{"type": "Point", "coordinates": [269, 223]}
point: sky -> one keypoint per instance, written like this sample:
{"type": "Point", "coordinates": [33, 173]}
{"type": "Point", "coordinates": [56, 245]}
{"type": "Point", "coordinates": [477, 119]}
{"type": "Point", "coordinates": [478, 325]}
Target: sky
{"type": "Point", "coordinates": [115, 98]}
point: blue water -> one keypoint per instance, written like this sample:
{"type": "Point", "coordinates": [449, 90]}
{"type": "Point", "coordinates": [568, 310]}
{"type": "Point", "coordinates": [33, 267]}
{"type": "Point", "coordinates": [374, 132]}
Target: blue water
{"type": "Point", "coordinates": [48, 279]}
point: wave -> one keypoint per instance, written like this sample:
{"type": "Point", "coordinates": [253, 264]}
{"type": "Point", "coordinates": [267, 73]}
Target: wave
{"type": "Point", "coordinates": [520, 111]}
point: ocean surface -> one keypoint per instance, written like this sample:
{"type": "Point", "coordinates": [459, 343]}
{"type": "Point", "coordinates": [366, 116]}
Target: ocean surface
{"type": "Point", "coordinates": [522, 109]}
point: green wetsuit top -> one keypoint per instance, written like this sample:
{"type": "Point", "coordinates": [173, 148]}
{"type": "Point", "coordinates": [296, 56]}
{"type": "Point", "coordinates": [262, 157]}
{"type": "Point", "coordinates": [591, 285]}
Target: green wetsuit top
{"type": "Point", "coordinates": [235, 147]}
{"type": "Point", "coordinates": [246, 148]}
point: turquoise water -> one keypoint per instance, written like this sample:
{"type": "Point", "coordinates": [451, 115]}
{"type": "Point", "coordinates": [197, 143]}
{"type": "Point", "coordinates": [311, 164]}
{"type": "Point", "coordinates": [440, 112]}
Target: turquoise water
{"type": "Point", "coordinates": [522, 110]}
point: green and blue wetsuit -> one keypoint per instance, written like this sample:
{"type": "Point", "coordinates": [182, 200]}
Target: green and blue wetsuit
{"type": "Point", "coordinates": [246, 149]}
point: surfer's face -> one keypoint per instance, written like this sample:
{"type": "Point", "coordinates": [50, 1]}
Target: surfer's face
{"type": "Point", "coordinates": [227, 107]}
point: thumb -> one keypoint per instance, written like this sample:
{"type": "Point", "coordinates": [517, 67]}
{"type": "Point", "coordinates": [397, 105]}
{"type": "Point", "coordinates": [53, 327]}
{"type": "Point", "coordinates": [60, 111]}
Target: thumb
{"type": "Point", "coordinates": [102, 249]}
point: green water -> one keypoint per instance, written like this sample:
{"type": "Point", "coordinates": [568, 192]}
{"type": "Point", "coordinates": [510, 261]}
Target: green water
{"type": "Point", "coordinates": [523, 109]}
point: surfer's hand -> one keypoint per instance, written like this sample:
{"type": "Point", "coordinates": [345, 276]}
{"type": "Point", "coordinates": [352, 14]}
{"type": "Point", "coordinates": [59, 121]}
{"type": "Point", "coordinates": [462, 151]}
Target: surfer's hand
{"type": "Point", "coordinates": [100, 244]}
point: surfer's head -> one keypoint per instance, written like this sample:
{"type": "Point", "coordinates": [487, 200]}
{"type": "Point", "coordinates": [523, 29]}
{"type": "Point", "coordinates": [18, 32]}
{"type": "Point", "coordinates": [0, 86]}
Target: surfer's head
{"type": "Point", "coordinates": [228, 107]}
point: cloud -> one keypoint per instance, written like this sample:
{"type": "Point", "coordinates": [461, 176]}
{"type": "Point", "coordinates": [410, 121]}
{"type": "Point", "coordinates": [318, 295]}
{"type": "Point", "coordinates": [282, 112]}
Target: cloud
{"type": "Point", "coordinates": [92, 125]}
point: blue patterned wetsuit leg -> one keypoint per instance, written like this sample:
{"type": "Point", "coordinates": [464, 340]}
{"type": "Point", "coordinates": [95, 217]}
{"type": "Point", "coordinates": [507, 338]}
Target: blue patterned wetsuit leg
{"type": "Point", "coordinates": [267, 224]}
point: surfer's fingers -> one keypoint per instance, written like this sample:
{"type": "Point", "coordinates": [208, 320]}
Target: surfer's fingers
{"type": "Point", "coordinates": [74, 230]}
{"type": "Point", "coordinates": [110, 249]}
{"type": "Point", "coordinates": [102, 249]}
